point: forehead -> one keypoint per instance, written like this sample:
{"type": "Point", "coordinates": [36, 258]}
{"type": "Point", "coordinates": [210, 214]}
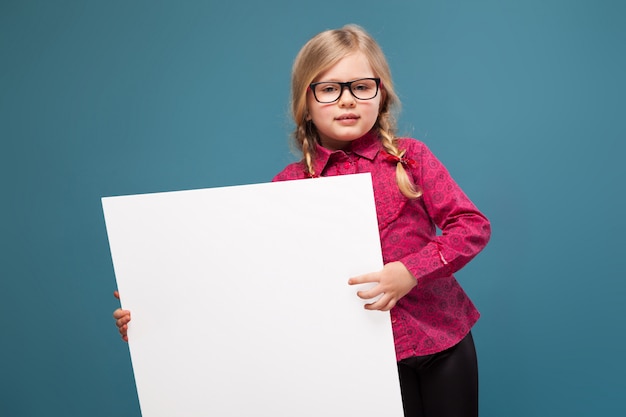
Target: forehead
{"type": "Point", "coordinates": [351, 67]}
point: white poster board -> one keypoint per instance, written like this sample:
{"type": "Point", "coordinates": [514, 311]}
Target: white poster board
{"type": "Point", "coordinates": [240, 303]}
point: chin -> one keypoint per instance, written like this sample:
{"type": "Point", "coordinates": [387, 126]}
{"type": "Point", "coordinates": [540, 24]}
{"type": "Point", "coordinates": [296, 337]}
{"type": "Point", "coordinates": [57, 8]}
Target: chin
{"type": "Point", "coordinates": [350, 135]}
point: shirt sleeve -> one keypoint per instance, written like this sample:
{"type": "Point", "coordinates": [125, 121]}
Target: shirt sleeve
{"type": "Point", "coordinates": [465, 231]}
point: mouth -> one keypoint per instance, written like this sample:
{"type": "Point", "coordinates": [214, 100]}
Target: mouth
{"type": "Point", "coordinates": [347, 116]}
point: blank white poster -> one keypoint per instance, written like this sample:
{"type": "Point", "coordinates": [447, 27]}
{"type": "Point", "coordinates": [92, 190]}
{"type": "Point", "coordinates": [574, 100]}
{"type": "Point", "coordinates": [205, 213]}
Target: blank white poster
{"type": "Point", "coordinates": [240, 303]}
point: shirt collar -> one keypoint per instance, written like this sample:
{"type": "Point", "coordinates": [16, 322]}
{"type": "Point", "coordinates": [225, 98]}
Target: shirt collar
{"type": "Point", "coordinates": [366, 146]}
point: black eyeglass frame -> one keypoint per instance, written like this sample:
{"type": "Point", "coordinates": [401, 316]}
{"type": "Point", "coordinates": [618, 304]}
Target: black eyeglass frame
{"type": "Point", "coordinates": [343, 85]}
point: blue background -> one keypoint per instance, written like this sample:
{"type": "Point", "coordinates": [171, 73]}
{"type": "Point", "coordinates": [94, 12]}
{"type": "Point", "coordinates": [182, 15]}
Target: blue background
{"type": "Point", "coordinates": [522, 100]}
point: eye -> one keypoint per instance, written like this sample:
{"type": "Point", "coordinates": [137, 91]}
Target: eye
{"type": "Point", "coordinates": [327, 88]}
{"type": "Point", "coordinates": [361, 87]}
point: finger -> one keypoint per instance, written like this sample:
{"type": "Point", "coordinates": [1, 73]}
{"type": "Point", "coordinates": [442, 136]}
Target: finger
{"type": "Point", "coordinates": [122, 322]}
{"type": "Point", "coordinates": [124, 333]}
{"type": "Point", "coordinates": [124, 318]}
{"type": "Point", "coordinates": [364, 279]}
{"type": "Point", "coordinates": [119, 313]}
{"type": "Point", "coordinates": [116, 294]}
{"type": "Point", "coordinates": [376, 304]}
{"type": "Point", "coordinates": [384, 303]}
{"type": "Point", "coordinates": [391, 304]}
{"type": "Point", "coordinates": [371, 293]}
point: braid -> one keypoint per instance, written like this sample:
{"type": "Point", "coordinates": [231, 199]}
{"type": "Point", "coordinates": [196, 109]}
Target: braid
{"type": "Point", "coordinates": [390, 144]}
{"type": "Point", "coordinates": [304, 136]}
{"type": "Point", "coordinates": [307, 151]}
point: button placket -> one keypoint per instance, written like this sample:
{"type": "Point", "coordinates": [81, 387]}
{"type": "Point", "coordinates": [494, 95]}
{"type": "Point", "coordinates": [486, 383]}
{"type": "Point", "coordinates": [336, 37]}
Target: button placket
{"type": "Point", "coordinates": [349, 165]}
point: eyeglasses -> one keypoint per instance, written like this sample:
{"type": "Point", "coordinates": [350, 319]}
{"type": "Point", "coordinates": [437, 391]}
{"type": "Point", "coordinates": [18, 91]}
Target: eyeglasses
{"type": "Point", "coordinates": [330, 91]}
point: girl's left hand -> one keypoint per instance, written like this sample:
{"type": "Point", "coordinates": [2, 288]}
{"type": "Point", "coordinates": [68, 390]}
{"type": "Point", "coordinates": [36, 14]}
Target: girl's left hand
{"type": "Point", "coordinates": [394, 282]}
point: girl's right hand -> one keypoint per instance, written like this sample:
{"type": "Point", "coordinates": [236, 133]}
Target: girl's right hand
{"type": "Point", "coordinates": [122, 317]}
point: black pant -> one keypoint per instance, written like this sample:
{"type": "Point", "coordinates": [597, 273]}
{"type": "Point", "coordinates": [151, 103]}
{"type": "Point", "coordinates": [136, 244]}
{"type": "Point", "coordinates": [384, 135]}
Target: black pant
{"type": "Point", "coordinates": [444, 384]}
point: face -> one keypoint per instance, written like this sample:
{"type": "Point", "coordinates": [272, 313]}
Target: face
{"type": "Point", "coordinates": [348, 118]}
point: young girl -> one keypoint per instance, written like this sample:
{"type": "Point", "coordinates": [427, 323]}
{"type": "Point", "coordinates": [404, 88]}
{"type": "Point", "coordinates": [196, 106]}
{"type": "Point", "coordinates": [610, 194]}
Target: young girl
{"type": "Point", "coordinates": [342, 103]}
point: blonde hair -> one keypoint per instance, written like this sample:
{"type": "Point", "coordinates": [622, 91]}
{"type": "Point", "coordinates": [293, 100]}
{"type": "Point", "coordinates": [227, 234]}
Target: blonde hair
{"type": "Point", "coordinates": [318, 55]}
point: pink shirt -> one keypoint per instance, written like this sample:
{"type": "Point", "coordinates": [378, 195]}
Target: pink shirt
{"type": "Point", "coordinates": [437, 313]}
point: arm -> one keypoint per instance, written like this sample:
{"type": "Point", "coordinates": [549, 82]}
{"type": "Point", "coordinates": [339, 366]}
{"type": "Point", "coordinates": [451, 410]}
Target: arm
{"type": "Point", "coordinates": [465, 230]}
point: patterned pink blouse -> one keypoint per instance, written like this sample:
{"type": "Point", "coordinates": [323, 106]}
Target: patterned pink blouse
{"type": "Point", "coordinates": [437, 313]}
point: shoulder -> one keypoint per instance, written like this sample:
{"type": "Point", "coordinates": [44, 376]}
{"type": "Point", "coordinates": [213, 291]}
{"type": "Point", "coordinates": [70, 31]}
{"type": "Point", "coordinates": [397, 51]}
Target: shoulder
{"type": "Point", "coordinates": [415, 149]}
{"type": "Point", "coordinates": [426, 162]}
{"type": "Point", "coordinates": [293, 171]}
{"type": "Point", "coordinates": [411, 145]}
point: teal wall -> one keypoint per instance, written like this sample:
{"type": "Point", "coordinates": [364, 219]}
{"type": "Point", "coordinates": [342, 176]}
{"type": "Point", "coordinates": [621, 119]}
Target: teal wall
{"type": "Point", "coordinates": [522, 100]}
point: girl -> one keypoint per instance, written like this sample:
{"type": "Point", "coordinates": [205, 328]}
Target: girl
{"type": "Point", "coordinates": [342, 103]}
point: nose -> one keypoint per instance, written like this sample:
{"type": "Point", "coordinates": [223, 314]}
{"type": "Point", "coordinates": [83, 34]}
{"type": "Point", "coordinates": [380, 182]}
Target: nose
{"type": "Point", "coordinates": [346, 98]}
